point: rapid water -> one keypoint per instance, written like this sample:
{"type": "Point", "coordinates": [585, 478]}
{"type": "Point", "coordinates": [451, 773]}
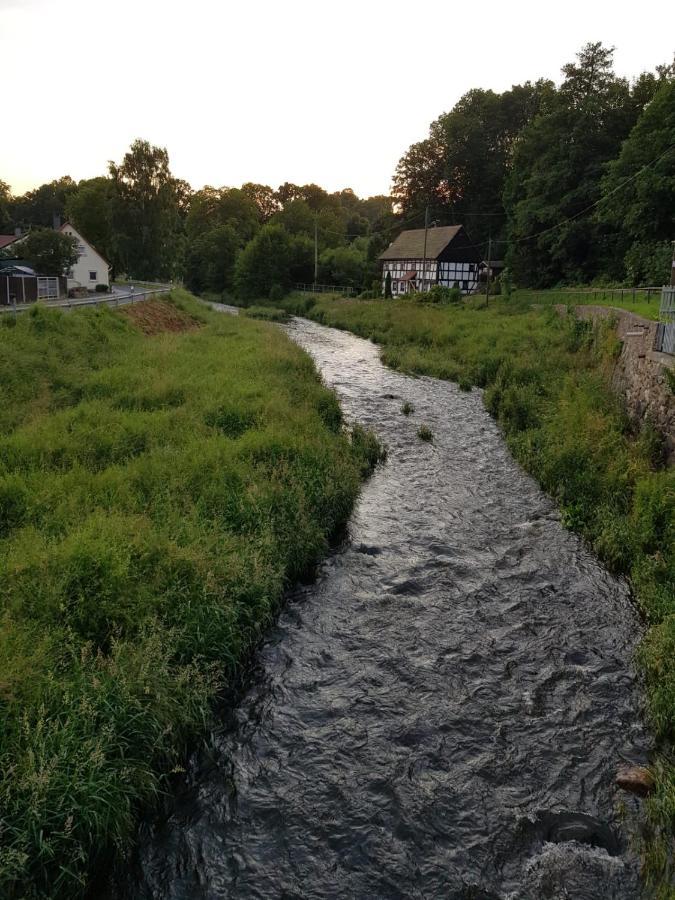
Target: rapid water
{"type": "Point", "coordinates": [442, 713]}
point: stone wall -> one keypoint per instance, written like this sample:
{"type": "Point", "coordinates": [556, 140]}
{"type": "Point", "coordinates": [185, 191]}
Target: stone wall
{"type": "Point", "coordinates": [639, 374]}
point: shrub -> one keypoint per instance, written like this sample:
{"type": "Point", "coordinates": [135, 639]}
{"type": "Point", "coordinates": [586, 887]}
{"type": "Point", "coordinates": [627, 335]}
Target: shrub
{"type": "Point", "coordinates": [424, 433]}
{"type": "Point", "coordinates": [407, 408]}
{"type": "Point", "coordinates": [276, 293]}
{"type": "Point", "coordinates": [102, 288]}
{"type": "Point", "coordinates": [268, 313]}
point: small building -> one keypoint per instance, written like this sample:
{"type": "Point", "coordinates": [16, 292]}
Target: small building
{"type": "Point", "coordinates": [19, 284]}
{"type": "Point", "coordinates": [451, 260]}
{"type": "Point", "coordinates": [495, 266]}
{"type": "Point", "coordinates": [91, 267]}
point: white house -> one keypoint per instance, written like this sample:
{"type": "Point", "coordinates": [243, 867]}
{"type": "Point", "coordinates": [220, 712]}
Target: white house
{"type": "Point", "coordinates": [91, 268]}
{"type": "Point", "coordinates": [417, 261]}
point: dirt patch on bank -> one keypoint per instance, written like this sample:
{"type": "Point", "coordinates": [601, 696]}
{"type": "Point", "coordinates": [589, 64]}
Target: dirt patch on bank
{"type": "Point", "coordinates": [155, 316]}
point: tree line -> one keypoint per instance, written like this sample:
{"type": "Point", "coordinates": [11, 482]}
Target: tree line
{"type": "Point", "coordinates": [151, 225]}
{"type": "Point", "coordinates": [569, 183]}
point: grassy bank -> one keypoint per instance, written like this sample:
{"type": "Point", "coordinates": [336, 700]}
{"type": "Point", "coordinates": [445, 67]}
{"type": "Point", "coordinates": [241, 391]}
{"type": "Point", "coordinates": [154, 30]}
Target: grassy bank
{"type": "Point", "coordinates": [546, 382]}
{"type": "Point", "coordinates": [157, 493]}
{"type": "Point", "coordinates": [643, 302]}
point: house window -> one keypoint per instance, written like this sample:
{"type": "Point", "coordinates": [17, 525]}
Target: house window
{"type": "Point", "coordinates": [92, 276]}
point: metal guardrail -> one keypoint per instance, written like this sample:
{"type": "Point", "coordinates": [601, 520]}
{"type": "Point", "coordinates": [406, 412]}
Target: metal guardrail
{"type": "Point", "coordinates": [114, 299]}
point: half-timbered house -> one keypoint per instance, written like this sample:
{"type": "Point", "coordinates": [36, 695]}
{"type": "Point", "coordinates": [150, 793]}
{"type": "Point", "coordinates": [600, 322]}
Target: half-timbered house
{"type": "Point", "coordinates": [450, 260]}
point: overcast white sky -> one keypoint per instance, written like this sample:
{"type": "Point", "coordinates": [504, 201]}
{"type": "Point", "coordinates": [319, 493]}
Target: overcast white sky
{"type": "Point", "coordinates": [267, 91]}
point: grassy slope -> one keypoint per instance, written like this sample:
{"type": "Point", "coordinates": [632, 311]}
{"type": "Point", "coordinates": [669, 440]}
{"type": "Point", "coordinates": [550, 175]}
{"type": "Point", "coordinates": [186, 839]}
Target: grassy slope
{"type": "Point", "coordinates": [547, 383]}
{"type": "Point", "coordinates": [642, 303]}
{"type": "Point", "coordinates": [156, 495]}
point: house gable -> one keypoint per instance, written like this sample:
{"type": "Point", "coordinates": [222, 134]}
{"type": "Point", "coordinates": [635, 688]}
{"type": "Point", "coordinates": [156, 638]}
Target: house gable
{"type": "Point", "coordinates": [91, 268]}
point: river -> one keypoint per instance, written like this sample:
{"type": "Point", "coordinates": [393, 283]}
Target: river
{"type": "Point", "coordinates": [441, 714]}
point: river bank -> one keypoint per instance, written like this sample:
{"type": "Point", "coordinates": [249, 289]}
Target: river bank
{"type": "Point", "coordinates": [546, 381]}
{"type": "Point", "coordinates": [163, 478]}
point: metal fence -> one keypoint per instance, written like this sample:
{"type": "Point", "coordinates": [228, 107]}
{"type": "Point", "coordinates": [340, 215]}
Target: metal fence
{"type": "Point", "coordinates": [324, 289]}
{"type": "Point", "coordinates": [665, 335]}
{"type": "Point", "coordinates": [606, 295]}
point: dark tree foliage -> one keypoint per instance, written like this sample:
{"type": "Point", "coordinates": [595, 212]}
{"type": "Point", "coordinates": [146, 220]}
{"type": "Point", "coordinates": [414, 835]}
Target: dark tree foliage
{"type": "Point", "coordinates": [89, 209]}
{"type": "Point", "coordinates": [5, 208]}
{"type": "Point", "coordinates": [638, 195]}
{"type": "Point", "coordinates": [265, 261]}
{"type": "Point", "coordinates": [265, 199]}
{"type": "Point", "coordinates": [40, 207]}
{"type": "Point", "coordinates": [47, 251]}
{"type": "Point", "coordinates": [557, 170]}
{"type": "Point", "coordinates": [210, 259]}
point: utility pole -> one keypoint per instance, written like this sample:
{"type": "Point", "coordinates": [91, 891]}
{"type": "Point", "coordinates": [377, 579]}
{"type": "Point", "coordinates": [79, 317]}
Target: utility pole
{"type": "Point", "coordinates": [316, 251]}
{"type": "Point", "coordinates": [426, 229]}
{"type": "Point", "coordinates": [489, 271]}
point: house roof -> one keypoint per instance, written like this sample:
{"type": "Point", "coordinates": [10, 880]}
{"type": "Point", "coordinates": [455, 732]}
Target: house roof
{"type": "Point", "coordinates": [7, 239]}
{"type": "Point", "coordinates": [82, 238]}
{"type": "Point", "coordinates": [17, 270]}
{"type": "Point", "coordinates": [410, 244]}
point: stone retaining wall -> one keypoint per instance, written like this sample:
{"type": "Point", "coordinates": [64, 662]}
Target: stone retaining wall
{"type": "Point", "coordinates": [639, 374]}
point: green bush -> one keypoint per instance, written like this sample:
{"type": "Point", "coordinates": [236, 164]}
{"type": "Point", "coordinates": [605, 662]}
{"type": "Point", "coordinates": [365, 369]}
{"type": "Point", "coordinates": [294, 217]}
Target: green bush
{"type": "Point", "coordinates": [102, 289]}
{"type": "Point", "coordinates": [276, 293]}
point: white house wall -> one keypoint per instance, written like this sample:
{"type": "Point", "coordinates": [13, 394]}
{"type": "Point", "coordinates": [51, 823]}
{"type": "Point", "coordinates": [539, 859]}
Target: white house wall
{"type": "Point", "coordinates": [90, 263]}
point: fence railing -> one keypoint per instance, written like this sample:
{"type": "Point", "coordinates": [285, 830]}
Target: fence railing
{"type": "Point", "coordinates": [324, 289]}
{"type": "Point", "coordinates": [590, 295]}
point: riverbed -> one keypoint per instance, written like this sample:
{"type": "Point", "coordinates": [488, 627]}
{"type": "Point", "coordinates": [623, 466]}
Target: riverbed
{"type": "Point", "coordinates": [442, 712]}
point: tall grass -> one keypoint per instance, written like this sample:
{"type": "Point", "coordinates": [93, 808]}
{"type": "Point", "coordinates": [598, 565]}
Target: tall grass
{"type": "Point", "coordinates": [546, 381]}
{"type": "Point", "coordinates": [156, 496]}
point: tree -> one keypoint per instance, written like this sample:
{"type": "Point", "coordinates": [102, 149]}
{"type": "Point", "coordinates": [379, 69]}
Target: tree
{"type": "Point", "coordinates": [41, 206]}
{"type": "Point", "coordinates": [5, 208]}
{"type": "Point", "coordinates": [343, 265]}
{"type": "Point", "coordinates": [210, 260]}
{"type": "Point", "coordinates": [213, 207]}
{"type": "Point", "coordinates": [147, 208]}
{"type": "Point", "coordinates": [49, 252]}
{"type": "Point", "coordinates": [638, 194]}
{"type": "Point", "coordinates": [89, 209]}
{"type": "Point", "coordinates": [558, 164]}
{"type": "Point", "coordinates": [460, 169]}
{"type": "Point", "coordinates": [264, 198]}
{"type": "Point", "coordinates": [387, 286]}
{"type": "Point", "coordinates": [264, 261]}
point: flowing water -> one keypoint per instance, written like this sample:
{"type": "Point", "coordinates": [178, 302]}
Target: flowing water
{"type": "Point", "coordinates": [442, 713]}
